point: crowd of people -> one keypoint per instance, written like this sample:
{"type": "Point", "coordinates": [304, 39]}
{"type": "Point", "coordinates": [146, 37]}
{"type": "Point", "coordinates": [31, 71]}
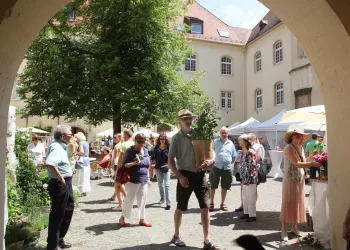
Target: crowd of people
{"type": "Point", "coordinates": [142, 158]}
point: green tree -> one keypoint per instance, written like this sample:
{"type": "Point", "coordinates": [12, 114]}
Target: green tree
{"type": "Point", "coordinates": [119, 60]}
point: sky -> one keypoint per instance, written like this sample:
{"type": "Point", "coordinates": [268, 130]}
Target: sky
{"type": "Point", "coordinates": [237, 13]}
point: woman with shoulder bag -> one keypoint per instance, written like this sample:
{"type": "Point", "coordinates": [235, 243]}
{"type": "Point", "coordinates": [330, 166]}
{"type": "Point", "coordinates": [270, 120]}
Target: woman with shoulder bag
{"type": "Point", "coordinates": [160, 157]}
{"type": "Point", "coordinates": [293, 208]}
{"type": "Point", "coordinates": [137, 159]}
{"type": "Point", "coordinates": [82, 165]}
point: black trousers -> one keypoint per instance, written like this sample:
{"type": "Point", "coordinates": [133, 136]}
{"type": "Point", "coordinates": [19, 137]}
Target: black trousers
{"type": "Point", "coordinates": [62, 207]}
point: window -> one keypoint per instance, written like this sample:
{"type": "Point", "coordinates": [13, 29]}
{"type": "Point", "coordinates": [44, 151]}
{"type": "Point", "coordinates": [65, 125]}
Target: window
{"type": "Point", "coordinates": [190, 64]}
{"type": "Point", "coordinates": [279, 93]}
{"type": "Point", "coordinates": [226, 66]}
{"type": "Point", "coordinates": [223, 33]}
{"type": "Point", "coordinates": [15, 90]}
{"type": "Point", "coordinates": [258, 98]}
{"type": "Point", "coordinates": [196, 28]}
{"type": "Point", "coordinates": [278, 52]}
{"type": "Point", "coordinates": [226, 100]}
{"type": "Point", "coordinates": [72, 16]}
{"type": "Point", "coordinates": [258, 62]}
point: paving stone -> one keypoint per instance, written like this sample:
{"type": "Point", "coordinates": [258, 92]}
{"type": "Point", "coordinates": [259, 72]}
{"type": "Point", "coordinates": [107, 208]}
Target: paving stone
{"type": "Point", "coordinates": [95, 226]}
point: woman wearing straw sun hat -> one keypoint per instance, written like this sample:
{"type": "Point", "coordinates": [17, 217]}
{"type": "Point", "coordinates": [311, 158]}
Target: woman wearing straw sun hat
{"type": "Point", "coordinates": [293, 208]}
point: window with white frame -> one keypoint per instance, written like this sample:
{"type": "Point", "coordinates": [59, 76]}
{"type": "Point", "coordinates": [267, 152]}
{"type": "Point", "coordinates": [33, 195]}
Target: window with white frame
{"type": "Point", "coordinates": [190, 64]}
{"type": "Point", "coordinates": [226, 65]}
{"type": "Point", "coordinates": [278, 52]}
{"type": "Point", "coordinates": [72, 15]}
{"type": "Point", "coordinates": [258, 62]}
{"type": "Point", "coordinates": [226, 99]}
{"type": "Point", "coordinates": [279, 93]}
{"type": "Point", "coordinates": [258, 98]}
{"type": "Point", "coordinates": [15, 90]}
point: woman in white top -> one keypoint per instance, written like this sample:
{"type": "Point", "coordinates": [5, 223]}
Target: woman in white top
{"type": "Point", "coordinates": [37, 151]}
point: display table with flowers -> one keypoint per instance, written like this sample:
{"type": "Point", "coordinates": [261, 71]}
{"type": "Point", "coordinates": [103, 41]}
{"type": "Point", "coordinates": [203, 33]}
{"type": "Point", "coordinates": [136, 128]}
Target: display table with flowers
{"type": "Point", "coordinates": [318, 203]}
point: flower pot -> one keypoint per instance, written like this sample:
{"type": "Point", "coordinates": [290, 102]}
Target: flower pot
{"type": "Point", "coordinates": [203, 150]}
{"type": "Point", "coordinates": [15, 246]}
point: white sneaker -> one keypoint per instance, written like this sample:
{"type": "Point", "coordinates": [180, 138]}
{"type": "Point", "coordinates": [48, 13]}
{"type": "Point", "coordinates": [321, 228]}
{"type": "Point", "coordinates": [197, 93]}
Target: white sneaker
{"type": "Point", "coordinates": [117, 208]}
{"type": "Point", "coordinates": [284, 236]}
{"type": "Point", "coordinates": [295, 231]}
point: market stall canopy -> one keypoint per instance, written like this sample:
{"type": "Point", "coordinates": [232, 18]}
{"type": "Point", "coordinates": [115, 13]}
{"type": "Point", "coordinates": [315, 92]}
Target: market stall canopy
{"type": "Point", "coordinates": [108, 132]}
{"type": "Point", "coordinates": [309, 114]}
{"type": "Point", "coordinates": [146, 132]}
{"type": "Point", "coordinates": [243, 127]}
{"type": "Point", "coordinates": [314, 126]}
{"type": "Point", "coordinates": [270, 125]}
{"type": "Point", "coordinates": [231, 126]}
{"type": "Point", "coordinates": [33, 130]}
{"type": "Point", "coordinates": [172, 133]}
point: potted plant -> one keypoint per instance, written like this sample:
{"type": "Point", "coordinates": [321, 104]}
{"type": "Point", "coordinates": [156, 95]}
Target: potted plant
{"type": "Point", "coordinates": [203, 133]}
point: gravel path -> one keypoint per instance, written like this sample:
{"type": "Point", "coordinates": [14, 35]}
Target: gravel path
{"type": "Point", "coordinates": [95, 226]}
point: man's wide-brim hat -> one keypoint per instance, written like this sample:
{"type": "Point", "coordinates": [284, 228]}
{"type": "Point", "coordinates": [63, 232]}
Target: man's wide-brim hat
{"type": "Point", "coordinates": [295, 129]}
{"type": "Point", "coordinates": [184, 113]}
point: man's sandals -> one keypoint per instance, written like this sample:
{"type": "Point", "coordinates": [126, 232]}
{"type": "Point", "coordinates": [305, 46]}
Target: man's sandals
{"type": "Point", "coordinates": [223, 207]}
{"type": "Point", "coordinates": [210, 246]}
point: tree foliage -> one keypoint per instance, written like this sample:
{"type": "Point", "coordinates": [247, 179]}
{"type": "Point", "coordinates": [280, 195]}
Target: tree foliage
{"type": "Point", "coordinates": [119, 60]}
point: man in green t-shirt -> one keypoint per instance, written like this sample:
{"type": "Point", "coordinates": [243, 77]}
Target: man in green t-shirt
{"type": "Point", "coordinates": [310, 148]}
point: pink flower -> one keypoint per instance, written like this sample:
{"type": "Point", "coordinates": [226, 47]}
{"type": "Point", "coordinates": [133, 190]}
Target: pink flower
{"type": "Point", "coordinates": [8, 148]}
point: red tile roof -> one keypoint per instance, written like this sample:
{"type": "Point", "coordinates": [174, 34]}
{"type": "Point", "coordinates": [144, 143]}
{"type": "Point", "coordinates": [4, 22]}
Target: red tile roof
{"type": "Point", "coordinates": [211, 24]}
{"type": "Point", "coordinates": [272, 21]}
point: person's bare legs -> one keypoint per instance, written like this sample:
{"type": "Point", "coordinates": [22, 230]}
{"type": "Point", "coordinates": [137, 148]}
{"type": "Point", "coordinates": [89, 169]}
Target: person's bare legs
{"type": "Point", "coordinates": [284, 227]}
{"type": "Point", "coordinates": [212, 194]}
{"type": "Point", "coordinates": [205, 223]}
{"type": "Point", "coordinates": [223, 195]}
{"type": "Point", "coordinates": [120, 193]}
{"type": "Point", "coordinates": [178, 220]}
{"type": "Point", "coordinates": [114, 196]}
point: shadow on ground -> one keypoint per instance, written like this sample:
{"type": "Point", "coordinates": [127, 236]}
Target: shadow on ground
{"type": "Point", "coordinates": [101, 228]}
{"type": "Point", "coordinates": [96, 202]}
{"type": "Point", "coordinates": [160, 246]}
{"type": "Point", "coordinates": [106, 184]}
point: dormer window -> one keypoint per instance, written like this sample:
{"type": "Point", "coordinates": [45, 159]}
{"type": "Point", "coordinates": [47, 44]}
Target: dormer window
{"type": "Point", "coordinates": [223, 33]}
{"type": "Point", "coordinates": [195, 24]}
{"type": "Point", "coordinates": [196, 28]}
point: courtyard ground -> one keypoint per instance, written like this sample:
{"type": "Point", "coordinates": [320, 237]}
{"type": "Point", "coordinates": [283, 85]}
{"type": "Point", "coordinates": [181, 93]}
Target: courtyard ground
{"type": "Point", "coordinates": [95, 226]}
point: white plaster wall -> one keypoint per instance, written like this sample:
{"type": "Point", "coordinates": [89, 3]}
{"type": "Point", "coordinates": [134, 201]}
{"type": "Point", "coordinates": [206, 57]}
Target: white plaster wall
{"type": "Point", "coordinates": [213, 82]}
{"type": "Point", "coordinates": [269, 75]}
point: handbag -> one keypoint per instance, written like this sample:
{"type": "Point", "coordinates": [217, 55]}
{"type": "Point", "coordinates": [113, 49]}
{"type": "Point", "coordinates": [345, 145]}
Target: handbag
{"type": "Point", "coordinates": [294, 173]}
{"type": "Point", "coordinates": [79, 164]}
{"type": "Point", "coordinates": [164, 168]}
{"type": "Point", "coordinates": [261, 175]}
{"type": "Point", "coordinates": [123, 175]}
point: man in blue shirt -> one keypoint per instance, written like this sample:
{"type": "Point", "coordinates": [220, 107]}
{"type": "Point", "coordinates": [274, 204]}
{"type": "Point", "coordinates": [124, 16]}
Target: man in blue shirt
{"type": "Point", "coordinates": [60, 188]}
{"type": "Point", "coordinates": [225, 158]}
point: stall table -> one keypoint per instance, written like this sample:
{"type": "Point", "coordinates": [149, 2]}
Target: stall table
{"type": "Point", "coordinates": [276, 159]}
{"type": "Point", "coordinates": [319, 210]}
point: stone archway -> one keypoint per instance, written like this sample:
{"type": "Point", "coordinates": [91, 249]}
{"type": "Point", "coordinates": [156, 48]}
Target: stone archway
{"type": "Point", "coordinates": [321, 26]}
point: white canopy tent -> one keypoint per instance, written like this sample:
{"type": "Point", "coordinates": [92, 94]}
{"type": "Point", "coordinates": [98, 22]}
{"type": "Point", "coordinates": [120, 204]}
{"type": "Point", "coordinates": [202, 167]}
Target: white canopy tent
{"type": "Point", "coordinates": [172, 133]}
{"type": "Point", "coordinates": [148, 133]}
{"type": "Point", "coordinates": [33, 130]}
{"type": "Point", "coordinates": [243, 127]}
{"type": "Point", "coordinates": [108, 132]}
{"type": "Point", "coordinates": [308, 114]}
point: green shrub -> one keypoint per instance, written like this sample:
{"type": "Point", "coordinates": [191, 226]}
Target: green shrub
{"type": "Point", "coordinates": [15, 208]}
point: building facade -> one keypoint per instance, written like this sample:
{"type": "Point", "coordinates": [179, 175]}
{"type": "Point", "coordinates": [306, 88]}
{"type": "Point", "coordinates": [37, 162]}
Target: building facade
{"type": "Point", "coordinates": [248, 73]}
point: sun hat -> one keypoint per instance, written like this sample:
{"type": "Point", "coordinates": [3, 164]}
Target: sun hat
{"type": "Point", "coordinates": [183, 113]}
{"type": "Point", "coordinates": [295, 129]}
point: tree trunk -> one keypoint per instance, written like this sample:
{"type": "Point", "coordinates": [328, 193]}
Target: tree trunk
{"type": "Point", "coordinates": [117, 118]}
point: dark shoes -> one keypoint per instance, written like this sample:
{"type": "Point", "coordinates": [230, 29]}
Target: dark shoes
{"type": "Point", "coordinates": [240, 209]}
{"type": "Point", "coordinates": [250, 219]}
{"type": "Point", "coordinates": [177, 241]}
{"type": "Point", "coordinates": [63, 245]}
{"type": "Point", "coordinates": [244, 216]}
{"type": "Point", "coordinates": [223, 207]}
{"type": "Point", "coordinates": [167, 207]}
{"type": "Point", "coordinates": [210, 246]}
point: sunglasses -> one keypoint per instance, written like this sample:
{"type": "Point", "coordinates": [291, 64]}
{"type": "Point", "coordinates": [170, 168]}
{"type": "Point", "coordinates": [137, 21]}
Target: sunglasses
{"type": "Point", "coordinates": [35, 139]}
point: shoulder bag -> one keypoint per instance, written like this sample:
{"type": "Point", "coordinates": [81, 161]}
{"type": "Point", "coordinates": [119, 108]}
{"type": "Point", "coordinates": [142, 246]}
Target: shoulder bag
{"type": "Point", "coordinates": [294, 173]}
{"type": "Point", "coordinates": [79, 164]}
{"type": "Point", "coordinates": [123, 175]}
